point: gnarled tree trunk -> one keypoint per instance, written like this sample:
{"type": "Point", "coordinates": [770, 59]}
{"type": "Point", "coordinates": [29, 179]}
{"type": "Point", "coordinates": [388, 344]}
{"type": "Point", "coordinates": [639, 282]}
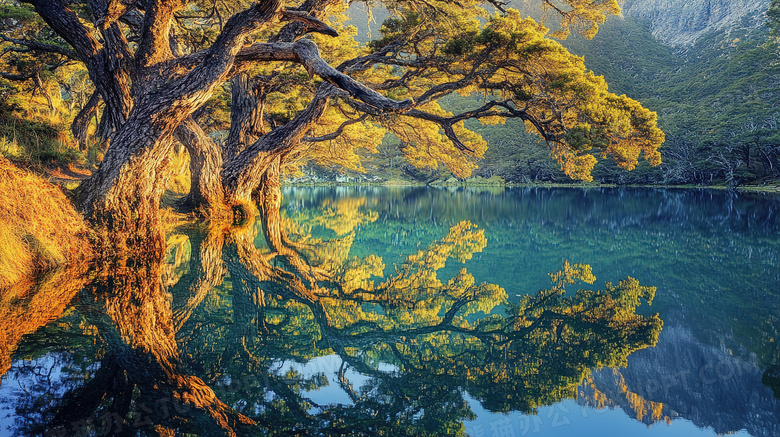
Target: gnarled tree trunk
{"type": "Point", "coordinates": [206, 191]}
{"type": "Point", "coordinates": [246, 113]}
{"type": "Point", "coordinates": [80, 125]}
{"type": "Point", "coordinates": [125, 192]}
{"type": "Point", "coordinates": [150, 95]}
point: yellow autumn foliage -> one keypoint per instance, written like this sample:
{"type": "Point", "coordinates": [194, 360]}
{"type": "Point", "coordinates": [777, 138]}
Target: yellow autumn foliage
{"type": "Point", "coordinates": [518, 71]}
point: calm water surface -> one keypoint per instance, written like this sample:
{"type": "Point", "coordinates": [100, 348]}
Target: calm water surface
{"type": "Point", "coordinates": [418, 311]}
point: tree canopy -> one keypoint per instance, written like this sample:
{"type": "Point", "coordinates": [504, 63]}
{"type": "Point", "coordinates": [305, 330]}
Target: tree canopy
{"type": "Point", "coordinates": [224, 80]}
{"type": "Point", "coordinates": [773, 17]}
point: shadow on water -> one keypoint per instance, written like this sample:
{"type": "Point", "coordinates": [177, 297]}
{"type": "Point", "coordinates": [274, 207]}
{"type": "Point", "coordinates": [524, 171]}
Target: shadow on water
{"type": "Point", "coordinates": [206, 339]}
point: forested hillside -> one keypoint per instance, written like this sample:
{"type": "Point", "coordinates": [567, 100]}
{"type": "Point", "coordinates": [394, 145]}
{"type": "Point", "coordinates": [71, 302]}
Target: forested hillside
{"type": "Point", "coordinates": [715, 84]}
{"type": "Point", "coordinates": [717, 100]}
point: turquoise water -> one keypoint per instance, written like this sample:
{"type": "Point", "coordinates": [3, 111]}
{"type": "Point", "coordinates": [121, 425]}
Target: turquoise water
{"type": "Point", "coordinates": [344, 328]}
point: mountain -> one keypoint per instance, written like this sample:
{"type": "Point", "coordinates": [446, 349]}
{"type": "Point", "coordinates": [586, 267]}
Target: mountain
{"type": "Point", "coordinates": [681, 23]}
{"type": "Point", "coordinates": [708, 69]}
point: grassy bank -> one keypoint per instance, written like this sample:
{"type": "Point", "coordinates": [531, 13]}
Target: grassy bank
{"type": "Point", "coordinates": [39, 228]}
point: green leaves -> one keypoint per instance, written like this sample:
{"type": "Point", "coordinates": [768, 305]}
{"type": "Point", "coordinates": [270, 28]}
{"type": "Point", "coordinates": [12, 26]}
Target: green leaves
{"type": "Point", "coordinates": [18, 15]}
{"type": "Point", "coordinates": [459, 46]}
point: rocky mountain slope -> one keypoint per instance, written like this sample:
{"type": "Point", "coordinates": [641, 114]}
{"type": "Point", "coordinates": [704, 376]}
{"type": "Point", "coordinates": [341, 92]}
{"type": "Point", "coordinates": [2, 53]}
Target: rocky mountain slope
{"type": "Point", "coordinates": [681, 23]}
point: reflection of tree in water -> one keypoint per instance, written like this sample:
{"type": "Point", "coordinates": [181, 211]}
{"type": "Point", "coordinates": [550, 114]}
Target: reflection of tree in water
{"type": "Point", "coordinates": [295, 301]}
{"type": "Point", "coordinates": [140, 384]}
{"type": "Point", "coordinates": [28, 305]}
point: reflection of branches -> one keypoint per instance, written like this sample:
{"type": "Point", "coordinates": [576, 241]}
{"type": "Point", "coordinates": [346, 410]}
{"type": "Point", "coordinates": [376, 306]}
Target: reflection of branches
{"type": "Point", "coordinates": [29, 305]}
{"type": "Point", "coordinates": [251, 271]}
{"type": "Point", "coordinates": [142, 376]}
{"type": "Point", "coordinates": [431, 329]}
{"type": "Point", "coordinates": [270, 198]}
{"type": "Point", "coordinates": [444, 338]}
{"type": "Point", "coordinates": [208, 272]}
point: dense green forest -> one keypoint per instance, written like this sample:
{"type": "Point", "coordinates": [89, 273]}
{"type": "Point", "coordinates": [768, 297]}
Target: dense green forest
{"type": "Point", "coordinates": [717, 101]}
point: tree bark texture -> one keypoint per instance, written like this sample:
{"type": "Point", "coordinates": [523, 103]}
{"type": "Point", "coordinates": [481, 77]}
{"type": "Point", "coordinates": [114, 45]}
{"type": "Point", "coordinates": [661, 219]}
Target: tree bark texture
{"type": "Point", "coordinates": [143, 118]}
{"type": "Point", "coordinates": [206, 190]}
{"type": "Point", "coordinates": [80, 125]}
{"type": "Point", "coordinates": [247, 170]}
{"type": "Point", "coordinates": [106, 63]}
{"type": "Point", "coordinates": [151, 94]}
{"type": "Point", "coordinates": [122, 185]}
{"type": "Point", "coordinates": [246, 113]}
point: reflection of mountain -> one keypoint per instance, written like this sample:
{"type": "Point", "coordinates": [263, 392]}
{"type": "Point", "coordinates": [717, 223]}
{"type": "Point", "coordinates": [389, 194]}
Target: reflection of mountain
{"type": "Point", "coordinates": [683, 378]}
{"type": "Point", "coordinates": [616, 394]}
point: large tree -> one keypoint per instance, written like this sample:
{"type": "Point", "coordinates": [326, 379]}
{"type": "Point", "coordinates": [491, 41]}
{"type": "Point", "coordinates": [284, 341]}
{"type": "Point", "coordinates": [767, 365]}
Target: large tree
{"type": "Point", "coordinates": [156, 64]}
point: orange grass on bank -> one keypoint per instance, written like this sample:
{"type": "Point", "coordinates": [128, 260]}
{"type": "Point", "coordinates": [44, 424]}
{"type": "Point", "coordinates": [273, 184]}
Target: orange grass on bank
{"type": "Point", "coordinates": [39, 227]}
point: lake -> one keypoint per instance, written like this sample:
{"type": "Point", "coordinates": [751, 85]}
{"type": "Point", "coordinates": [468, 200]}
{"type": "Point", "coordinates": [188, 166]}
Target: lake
{"type": "Point", "coordinates": [418, 311]}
